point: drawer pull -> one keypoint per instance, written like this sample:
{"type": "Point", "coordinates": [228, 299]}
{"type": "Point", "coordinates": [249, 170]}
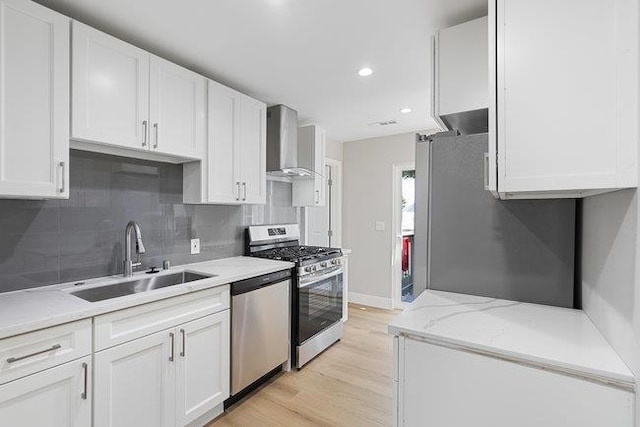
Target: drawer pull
{"type": "Point", "coordinates": [184, 343]}
{"type": "Point", "coordinates": [85, 370]}
{"type": "Point", "coordinates": [171, 355]}
{"type": "Point", "coordinates": [52, 348]}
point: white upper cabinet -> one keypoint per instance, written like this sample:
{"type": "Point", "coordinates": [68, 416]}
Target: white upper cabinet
{"type": "Point", "coordinates": [234, 169]}
{"type": "Point", "coordinates": [223, 185]}
{"type": "Point", "coordinates": [34, 101]}
{"type": "Point", "coordinates": [311, 155]}
{"type": "Point", "coordinates": [557, 70]}
{"type": "Point", "coordinates": [110, 90]}
{"type": "Point", "coordinates": [125, 98]}
{"type": "Point", "coordinates": [252, 149]}
{"type": "Point", "coordinates": [177, 109]}
{"type": "Point", "coordinates": [460, 70]}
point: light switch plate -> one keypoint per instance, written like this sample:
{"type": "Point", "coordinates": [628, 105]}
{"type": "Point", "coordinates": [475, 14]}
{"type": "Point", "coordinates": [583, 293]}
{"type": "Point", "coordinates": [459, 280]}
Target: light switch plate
{"type": "Point", "coordinates": [195, 246]}
{"type": "Point", "coordinates": [380, 226]}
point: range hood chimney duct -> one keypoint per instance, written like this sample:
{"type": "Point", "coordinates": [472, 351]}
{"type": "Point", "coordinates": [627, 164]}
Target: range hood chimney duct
{"type": "Point", "coordinates": [282, 142]}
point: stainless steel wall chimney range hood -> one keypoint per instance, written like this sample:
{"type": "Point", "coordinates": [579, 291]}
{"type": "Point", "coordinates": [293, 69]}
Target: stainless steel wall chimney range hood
{"type": "Point", "coordinates": [282, 143]}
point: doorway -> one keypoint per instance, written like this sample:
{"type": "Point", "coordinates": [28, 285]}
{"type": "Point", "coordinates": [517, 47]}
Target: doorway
{"type": "Point", "coordinates": [323, 224]}
{"type": "Point", "coordinates": [403, 233]}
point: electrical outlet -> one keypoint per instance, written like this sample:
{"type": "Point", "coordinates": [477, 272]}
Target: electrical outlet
{"type": "Point", "coordinates": [380, 226]}
{"type": "Point", "coordinates": [195, 246]}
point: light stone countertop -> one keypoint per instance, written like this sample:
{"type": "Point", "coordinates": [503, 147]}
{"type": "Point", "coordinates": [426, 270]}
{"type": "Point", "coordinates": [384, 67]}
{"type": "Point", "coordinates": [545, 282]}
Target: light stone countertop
{"type": "Point", "coordinates": [547, 337]}
{"type": "Point", "coordinates": [38, 308]}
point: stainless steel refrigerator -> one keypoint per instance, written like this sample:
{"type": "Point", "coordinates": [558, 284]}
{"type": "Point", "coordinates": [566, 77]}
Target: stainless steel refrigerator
{"type": "Point", "coordinates": [467, 241]}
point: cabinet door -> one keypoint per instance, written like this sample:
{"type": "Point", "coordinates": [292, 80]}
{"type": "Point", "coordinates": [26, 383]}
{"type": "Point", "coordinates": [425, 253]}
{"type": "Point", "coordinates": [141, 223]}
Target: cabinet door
{"type": "Point", "coordinates": [223, 156]}
{"type": "Point", "coordinates": [177, 109]}
{"type": "Point", "coordinates": [34, 101]}
{"type": "Point", "coordinates": [135, 383]}
{"type": "Point", "coordinates": [320, 178]}
{"type": "Point", "coordinates": [59, 396]}
{"type": "Point", "coordinates": [551, 89]}
{"type": "Point", "coordinates": [252, 150]}
{"type": "Point", "coordinates": [110, 90]}
{"type": "Point", "coordinates": [203, 351]}
{"type": "Point", "coordinates": [311, 152]}
{"type": "Point", "coordinates": [462, 68]}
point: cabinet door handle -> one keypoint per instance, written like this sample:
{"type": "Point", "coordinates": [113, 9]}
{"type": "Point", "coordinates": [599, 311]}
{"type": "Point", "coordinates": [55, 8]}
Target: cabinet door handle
{"type": "Point", "coordinates": [184, 343]}
{"type": "Point", "coordinates": [244, 186]}
{"type": "Point", "coordinates": [26, 356]}
{"type": "Point", "coordinates": [172, 339]}
{"type": "Point", "coordinates": [486, 171]}
{"type": "Point", "coordinates": [237, 191]}
{"type": "Point", "coordinates": [144, 133]}
{"type": "Point", "coordinates": [85, 370]}
{"type": "Point", "coordinates": [63, 170]}
{"type": "Point", "coordinates": [155, 128]}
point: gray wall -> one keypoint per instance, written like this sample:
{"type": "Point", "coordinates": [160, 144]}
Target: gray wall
{"type": "Point", "coordinates": [47, 242]}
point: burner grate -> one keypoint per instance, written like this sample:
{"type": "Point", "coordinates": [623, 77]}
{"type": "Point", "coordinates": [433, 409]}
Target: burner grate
{"type": "Point", "coordinates": [296, 253]}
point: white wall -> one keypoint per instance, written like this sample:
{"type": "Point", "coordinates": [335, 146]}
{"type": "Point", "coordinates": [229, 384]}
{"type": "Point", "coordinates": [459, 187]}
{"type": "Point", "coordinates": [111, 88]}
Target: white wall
{"type": "Point", "coordinates": [610, 262]}
{"type": "Point", "coordinates": [368, 197]}
{"type": "Point", "coordinates": [611, 273]}
{"type": "Point", "coordinates": [334, 150]}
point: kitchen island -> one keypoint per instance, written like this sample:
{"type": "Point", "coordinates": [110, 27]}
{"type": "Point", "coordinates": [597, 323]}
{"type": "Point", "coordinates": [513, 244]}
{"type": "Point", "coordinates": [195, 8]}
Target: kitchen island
{"type": "Point", "coordinates": [468, 360]}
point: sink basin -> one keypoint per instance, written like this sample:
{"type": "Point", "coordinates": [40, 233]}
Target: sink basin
{"type": "Point", "coordinates": [137, 286]}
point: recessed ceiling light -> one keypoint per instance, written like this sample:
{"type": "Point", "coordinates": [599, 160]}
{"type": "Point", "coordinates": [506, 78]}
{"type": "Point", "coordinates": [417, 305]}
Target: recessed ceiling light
{"type": "Point", "coordinates": [405, 110]}
{"type": "Point", "coordinates": [365, 72]}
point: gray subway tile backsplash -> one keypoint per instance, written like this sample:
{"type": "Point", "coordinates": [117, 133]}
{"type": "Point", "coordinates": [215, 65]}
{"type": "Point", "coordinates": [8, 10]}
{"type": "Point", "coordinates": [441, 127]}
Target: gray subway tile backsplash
{"type": "Point", "coordinates": [56, 241]}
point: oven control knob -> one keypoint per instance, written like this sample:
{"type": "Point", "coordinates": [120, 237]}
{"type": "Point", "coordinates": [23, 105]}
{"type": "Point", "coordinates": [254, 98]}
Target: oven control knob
{"type": "Point", "coordinates": [313, 268]}
{"type": "Point", "coordinates": [333, 262]}
{"type": "Point", "coordinates": [323, 264]}
{"type": "Point", "coordinates": [307, 269]}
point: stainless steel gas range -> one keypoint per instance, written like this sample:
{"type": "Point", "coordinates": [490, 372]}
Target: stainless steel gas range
{"type": "Point", "coordinates": [317, 287]}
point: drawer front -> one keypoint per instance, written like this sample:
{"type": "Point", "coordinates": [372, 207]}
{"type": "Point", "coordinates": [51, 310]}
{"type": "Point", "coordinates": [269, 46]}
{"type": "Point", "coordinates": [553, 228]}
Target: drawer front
{"type": "Point", "coordinates": [135, 322]}
{"type": "Point", "coordinates": [35, 351]}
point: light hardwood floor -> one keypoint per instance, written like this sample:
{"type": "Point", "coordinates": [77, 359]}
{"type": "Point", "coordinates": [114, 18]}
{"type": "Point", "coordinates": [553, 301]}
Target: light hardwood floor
{"type": "Point", "coordinates": [347, 385]}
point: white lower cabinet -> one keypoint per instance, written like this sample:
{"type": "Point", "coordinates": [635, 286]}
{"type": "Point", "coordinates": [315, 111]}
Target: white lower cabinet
{"type": "Point", "coordinates": [202, 370]}
{"type": "Point", "coordinates": [169, 378]}
{"type": "Point", "coordinates": [59, 396]}
{"type": "Point", "coordinates": [441, 386]}
{"type": "Point", "coordinates": [135, 382]}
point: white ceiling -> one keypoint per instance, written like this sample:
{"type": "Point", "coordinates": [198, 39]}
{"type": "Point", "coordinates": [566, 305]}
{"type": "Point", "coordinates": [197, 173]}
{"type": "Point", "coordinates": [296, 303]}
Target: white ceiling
{"type": "Point", "coordinates": [302, 53]}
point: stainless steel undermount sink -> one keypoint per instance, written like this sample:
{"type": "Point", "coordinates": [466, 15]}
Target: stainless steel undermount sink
{"type": "Point", "coordinates": [145, 284]}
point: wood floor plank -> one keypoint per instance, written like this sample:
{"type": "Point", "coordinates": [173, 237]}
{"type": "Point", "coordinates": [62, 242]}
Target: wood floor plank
{"type": "Point", "coordinates": [348, 385]}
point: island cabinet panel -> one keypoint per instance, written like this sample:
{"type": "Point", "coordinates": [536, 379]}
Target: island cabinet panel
{"type": "Point", "coordinates": [442, 386]}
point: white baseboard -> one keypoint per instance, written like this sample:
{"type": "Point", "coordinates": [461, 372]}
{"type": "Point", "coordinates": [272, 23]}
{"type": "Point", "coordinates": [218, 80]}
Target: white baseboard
{"type": "Point", "coordinates": [370, 300]}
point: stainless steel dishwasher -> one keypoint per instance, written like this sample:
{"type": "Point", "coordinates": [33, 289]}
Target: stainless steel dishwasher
{"type": "Point", "coordinates": [260, 325]}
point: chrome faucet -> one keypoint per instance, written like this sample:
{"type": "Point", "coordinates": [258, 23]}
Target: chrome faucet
{"type": "Point", "coordinates": [128, 264]}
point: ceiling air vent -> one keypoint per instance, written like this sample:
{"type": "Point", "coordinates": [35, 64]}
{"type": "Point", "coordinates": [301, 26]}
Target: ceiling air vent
{"type": "Point", "coordinates": [384, 123]}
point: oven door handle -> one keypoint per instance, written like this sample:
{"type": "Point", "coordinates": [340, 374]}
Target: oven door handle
{"type": "Point", "coordinates": [310, 279]}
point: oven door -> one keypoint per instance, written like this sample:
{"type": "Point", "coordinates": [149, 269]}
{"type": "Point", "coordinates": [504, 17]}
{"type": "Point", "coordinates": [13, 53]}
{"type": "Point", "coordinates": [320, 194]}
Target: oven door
{"type": "Point", "coordinates": [319, 302]}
